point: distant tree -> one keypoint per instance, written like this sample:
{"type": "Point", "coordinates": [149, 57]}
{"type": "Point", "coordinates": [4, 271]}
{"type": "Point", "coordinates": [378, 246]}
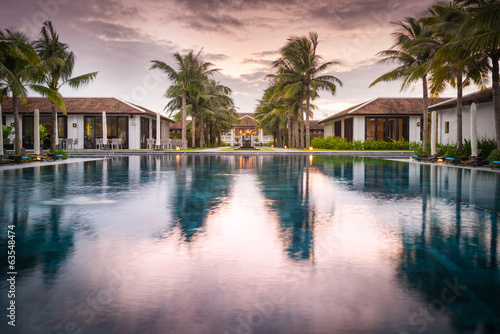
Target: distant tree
{"type": "Point", "coordinates": [191, 71]}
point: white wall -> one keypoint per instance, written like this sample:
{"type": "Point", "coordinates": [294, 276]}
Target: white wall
{"type": "Point", "coordinates": [485, 123]}
{"type": "Point", "coordinates": [134, 132]}
{"type": "Point", "coordinates": [329, 126]}
{"type": "Point", "coordinates": [414, 128]}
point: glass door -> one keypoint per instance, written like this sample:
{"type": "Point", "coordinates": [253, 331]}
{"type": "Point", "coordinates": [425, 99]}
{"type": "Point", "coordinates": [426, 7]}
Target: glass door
{"type": "Point", "coordinates": [90, 132]}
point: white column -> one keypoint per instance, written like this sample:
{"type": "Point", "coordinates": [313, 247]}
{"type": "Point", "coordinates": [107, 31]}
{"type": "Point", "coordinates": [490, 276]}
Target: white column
{"type": "Point", "coordinates": [473, 129]}
{"type": "Point", "coordinates": [57, 131]}
{"type": "Point", "coordinates": [433, 132]}
{"type": "Point", "coordinates": [1, 131]}
{"type": "Point", "coordinates": [104, 129]}
{"type": "Point", "coordinates": [232, 136]}
{"type": "Point", "coordinates": [36, 132]}
{"type": "Point", "coordinates": [158, 125]}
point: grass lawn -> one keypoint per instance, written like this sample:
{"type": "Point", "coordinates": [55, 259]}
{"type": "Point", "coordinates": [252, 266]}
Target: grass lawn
{"type": "Point", "coordinates": [232, 149]}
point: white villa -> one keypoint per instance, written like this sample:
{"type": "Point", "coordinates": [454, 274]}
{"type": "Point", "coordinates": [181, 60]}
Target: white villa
{"type": "Point", "coordinates": [133, 124]}
{"type": "Point", "coordinates": [447, 117]}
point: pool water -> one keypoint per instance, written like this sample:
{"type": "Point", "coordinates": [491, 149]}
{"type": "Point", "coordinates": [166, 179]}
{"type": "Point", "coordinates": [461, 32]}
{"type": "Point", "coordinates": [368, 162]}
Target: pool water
{"type": "Point", "coordinates": [251, 244]}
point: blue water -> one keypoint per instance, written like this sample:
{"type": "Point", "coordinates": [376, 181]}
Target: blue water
{"type": "Point", "coordinates": [251, 244]}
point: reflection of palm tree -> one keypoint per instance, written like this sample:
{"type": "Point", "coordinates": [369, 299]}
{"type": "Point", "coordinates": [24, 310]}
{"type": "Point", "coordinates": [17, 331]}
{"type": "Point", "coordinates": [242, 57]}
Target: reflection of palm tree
{"type": "Point", "coordinates": [291, 202]}
{"type": "Point", "coordinates": [200, 185]}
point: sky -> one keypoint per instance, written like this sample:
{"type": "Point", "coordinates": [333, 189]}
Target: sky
{"type": "Point", "coordinates": [240, 37]}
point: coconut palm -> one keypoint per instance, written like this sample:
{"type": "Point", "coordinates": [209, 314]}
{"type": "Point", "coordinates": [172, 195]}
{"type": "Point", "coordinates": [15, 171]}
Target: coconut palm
{"type": "Point", "coordinates": [454, 66]}
{"type": "Point", "coordinates": [480, 34]}
{"type": "Point", "coordinates": [191, 71]}
{"type": "Point", "coordinates": [49, 48]}
{"type": "Point", "coordinates": [21, 70]}
{"type": "Point", "coordinates": [300, 74]}
{"type": "Point", "coordinates": [413, 57]}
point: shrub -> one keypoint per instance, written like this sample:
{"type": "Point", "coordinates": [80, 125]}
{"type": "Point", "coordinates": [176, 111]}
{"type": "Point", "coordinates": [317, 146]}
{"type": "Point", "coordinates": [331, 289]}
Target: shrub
{"type": "Point", "coordinates": [339, 143]}
{"type": "Point", "coordinates": [7, 131]}
{"type": "Point", "coordinates": [57, 152]}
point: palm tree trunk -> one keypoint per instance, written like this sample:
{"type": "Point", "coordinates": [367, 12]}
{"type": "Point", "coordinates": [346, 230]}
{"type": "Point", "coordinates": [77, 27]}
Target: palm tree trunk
{"type": "Point", "coordinates": [202, 132]}
{"type": "Point", "coordinates": [193, 131]}
{"type": "Point", "coordinates": [425, 114]}
{"type": "Point", "coordinates": [289, 130]}
{"type": "Point", "coordinates": [17, 138]}
{"type": "Point", "coordinates": [296, 130]}
{"type": "Point", "coordinates": [495, 82]}
{"type": "Point", "coordinates": [301, 120]}
{"type": "Point", "coordinates": [308, 132]}
{"type": "Point", "coordinates": [184, 112]}
{"type": "Point", "coordinates": [459, 110]}
{"type": "Point", "coordinates": [53, 121]}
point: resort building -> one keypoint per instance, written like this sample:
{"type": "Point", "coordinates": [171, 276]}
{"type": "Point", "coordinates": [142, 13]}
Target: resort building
{"type": "Point", "coordinates": [447, 117]}
{"type": "Point", "coordinates": [380, 119]}
{"type": "Point", "coordinates": [82, 126]}
{"type": "Point", "coordinates": [247, 126]}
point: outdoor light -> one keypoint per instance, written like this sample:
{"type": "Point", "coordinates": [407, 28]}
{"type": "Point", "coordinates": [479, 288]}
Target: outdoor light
{"type": "Point", "coordinates": [285, 146]}
{"type": "Point", "coordinates": [177, 148]}
{"type": "Point", "coordinates": [440, 160]}
{"type": "Point", "coordinates": [74, 125]}
{"type": "Point", "coordinates": [310, 148]}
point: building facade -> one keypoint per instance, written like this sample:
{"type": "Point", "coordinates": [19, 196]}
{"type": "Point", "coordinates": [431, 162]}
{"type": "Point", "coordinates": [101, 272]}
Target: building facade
{"type": "Point", "coordinates": [380, 119]}
{"type": "Point", "coordinates": [447, 117]}
{"type": "Point", "coordinates": [83, 122]}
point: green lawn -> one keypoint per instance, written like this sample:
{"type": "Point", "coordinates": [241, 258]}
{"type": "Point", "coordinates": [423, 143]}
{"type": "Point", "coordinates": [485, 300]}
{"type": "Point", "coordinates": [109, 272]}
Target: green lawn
{"type": "Point", "coordinates": [232, 149]}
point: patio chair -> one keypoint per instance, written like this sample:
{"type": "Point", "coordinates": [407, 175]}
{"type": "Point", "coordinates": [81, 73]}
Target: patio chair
{"type": "Point", "coordinates": [477, 160]}
{"type": "Point", "coordinates": [99, 144]}
{"type": "Point", "coordinates": [461, 159]}
{"type": "Point", "coordinates": [434, 157]}
{"type": "Point", "coordinates": [151, 143]}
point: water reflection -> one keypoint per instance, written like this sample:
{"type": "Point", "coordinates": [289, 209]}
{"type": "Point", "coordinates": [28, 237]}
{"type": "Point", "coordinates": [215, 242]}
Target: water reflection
{"type": "Point", "coordinates": [253, 244]}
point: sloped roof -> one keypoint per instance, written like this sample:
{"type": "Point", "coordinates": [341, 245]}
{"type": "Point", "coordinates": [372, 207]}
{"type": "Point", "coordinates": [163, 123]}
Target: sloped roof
{"type": "Point", "coordinates": [479, 96]}
{"type": "Point", "coordinates": [385, 106]}
{"type": "Point", "coordinates": [314, 125]}
{"type": "Point", "coordinates": [82, 105]}
{"type": "Point", "coordinates": [247, 120]}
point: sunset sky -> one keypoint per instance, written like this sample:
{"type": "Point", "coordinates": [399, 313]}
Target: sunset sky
{"type": "Point", "coordinates": [242, 38]}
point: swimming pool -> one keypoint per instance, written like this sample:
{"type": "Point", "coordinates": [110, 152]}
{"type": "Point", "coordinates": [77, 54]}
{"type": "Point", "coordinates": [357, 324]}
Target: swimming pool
{"type": "Point", "coordinates": [251, 244]}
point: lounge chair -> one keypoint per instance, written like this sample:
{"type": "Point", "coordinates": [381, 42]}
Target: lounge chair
{"type": "Point", "coordinates": [459, 160]}
{"type": "Point", "coordinates": [433, 157]}
{"type": "Point", "coordinates": [477, 161]}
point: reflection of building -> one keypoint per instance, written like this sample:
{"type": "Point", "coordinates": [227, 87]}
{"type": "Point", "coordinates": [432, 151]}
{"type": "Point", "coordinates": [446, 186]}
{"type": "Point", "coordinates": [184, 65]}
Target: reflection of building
{"type": "Point", "coordinates": [247, 126]}
{"type": "Point", "coordinates": [381, 119]}
{"type": "Point", "coordinates": [133, 123]}
{"type": "Point", "coordinates": [447, 117]}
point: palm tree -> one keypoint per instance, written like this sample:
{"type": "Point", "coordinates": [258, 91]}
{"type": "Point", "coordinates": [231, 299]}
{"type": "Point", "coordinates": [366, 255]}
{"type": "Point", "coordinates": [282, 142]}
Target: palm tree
{"type": "Point", "coordinates": [299, 72]}
{"type": "Point", "coordinates": [49, 48]}
{"type": "Point", "coordinates": [22, 69]}
{"type": "Point", "coordinates": [191, 71]}
{"type": "Point", "coordinates": [413, 56]}
{"type": "Point", "coordinates": [454, 66]}
{"type": "Point", "coordinates": [480, 34]}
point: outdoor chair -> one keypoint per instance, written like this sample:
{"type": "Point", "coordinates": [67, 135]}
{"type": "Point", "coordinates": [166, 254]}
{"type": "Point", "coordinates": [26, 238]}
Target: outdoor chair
{"type": "Point", "coordinates": [477, 160]}
{"type": "Point", "coordinates": [433, 157]}
{"type": "Point", "coordinates": [460, 160]}
{"type": "Point", "coordinates": [151, 143]}
{"type": "Point", "coordinates": [99, 143]}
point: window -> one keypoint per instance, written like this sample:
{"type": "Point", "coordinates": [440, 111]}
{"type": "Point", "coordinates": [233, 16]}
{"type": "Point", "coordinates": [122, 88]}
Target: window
{"type": "Point", "coordinates": [338, 129]}
{"type": "Point", "coordinates": [386, 129]}
{"type": "Point", "coordinates": [446, 127]}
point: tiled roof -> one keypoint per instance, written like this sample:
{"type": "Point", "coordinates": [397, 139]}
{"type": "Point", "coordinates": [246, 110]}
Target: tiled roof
{"type": "Point", "coordinates": [82, 105]}
{"type": "Point", "coordinates": [247, 120]}
{"type": "Point", "coordinates": [314, 125]}
{"type": "Point", "coordinates": [479, 96]}
{"type": "Point", "coordinates": [386, 106]}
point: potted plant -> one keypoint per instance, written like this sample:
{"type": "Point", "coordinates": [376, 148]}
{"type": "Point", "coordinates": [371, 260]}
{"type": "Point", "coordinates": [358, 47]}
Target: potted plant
{"type": "Point", "coordinates": [256, 140]}
{"type": "Point", "coordinates": [237, 140]}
